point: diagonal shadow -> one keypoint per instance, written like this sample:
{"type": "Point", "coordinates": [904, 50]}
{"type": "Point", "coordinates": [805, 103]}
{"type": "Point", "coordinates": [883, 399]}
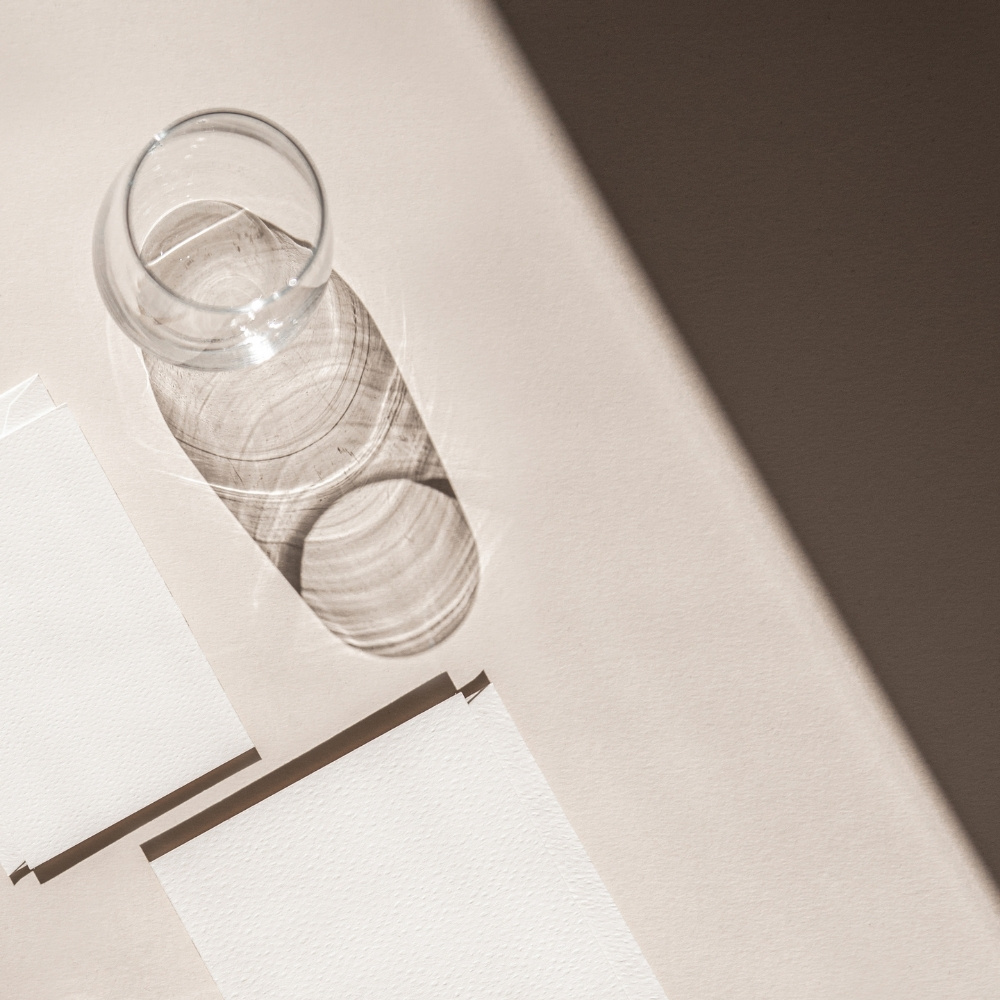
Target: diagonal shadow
{"type": "Point", "coordinates": [811, 189]}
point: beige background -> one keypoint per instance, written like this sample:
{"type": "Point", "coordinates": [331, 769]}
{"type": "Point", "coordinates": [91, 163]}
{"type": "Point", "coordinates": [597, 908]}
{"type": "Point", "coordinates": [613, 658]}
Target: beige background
{"type": "Point", "coordinates": [698, 709]}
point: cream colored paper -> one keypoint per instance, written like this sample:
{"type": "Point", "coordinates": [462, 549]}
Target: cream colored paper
{"type": "Point", "coordinates": [108, 703]}
{"type": "Point", "coordinates": [411, 868]}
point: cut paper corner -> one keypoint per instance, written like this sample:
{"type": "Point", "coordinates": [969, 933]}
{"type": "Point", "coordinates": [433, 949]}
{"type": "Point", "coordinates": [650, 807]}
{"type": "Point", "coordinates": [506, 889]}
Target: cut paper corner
{"type": "Point", "coordinates": [10, 859]}
{"type": "Point", "coordinates": [25, 402]}
{"type": "Point", "coordinates": [19, 872]}
{"type": "Point", "coordinates": [476, 686]}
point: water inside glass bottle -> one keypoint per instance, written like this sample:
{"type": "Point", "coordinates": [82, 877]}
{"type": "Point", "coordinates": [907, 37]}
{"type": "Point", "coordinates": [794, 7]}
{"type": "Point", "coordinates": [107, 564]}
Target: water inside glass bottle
{"type": "Point", "coordinates": [220, 255]}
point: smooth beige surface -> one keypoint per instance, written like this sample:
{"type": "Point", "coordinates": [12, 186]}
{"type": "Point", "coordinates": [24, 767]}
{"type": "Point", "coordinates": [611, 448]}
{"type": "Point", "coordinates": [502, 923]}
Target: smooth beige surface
{"type": "Point", "coordinates": [709, 729]}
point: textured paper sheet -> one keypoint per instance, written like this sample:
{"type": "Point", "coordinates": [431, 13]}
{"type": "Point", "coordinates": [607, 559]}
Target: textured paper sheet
{"type": "Point", "coordinates": [108, 703]}
{"type": "Point", "coordinates": [412, 867]}
{"type": "Point", "coordinates": [564, 848]}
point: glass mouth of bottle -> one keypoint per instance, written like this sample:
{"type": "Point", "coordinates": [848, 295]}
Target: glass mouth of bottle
{"type": "Point", "coordinates": [255, 129]}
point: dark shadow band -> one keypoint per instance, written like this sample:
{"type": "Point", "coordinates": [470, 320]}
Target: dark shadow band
{"type": "Point", "coordinates": [80, 852]}
{"type": "Point", "coordinates": [477, 685]}
{"type": "Point", "coordinates": [385, 719]}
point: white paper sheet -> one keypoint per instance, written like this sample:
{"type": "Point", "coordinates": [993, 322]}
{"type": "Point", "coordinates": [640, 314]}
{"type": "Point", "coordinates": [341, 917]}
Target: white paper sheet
{"type": "Point", "coordinates": [564, 848]}
{"type": "Point", "coordinates": [409, 868]}
{"type": "Point", "coordinates": [107, 702]}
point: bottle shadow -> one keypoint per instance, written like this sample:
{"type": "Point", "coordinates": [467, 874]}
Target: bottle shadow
{"type": "Point", "coordinates": [321, 455]}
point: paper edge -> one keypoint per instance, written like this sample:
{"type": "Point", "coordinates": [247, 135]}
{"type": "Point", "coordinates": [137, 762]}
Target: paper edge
{"type": "Point", "coordinates": [567, 853]}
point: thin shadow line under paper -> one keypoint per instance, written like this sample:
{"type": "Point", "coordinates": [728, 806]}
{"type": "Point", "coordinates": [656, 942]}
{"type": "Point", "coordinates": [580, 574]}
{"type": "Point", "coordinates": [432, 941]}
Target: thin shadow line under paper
{"type": "Point", "coordinates": [86, 848]}
{"type": "Point", "coordinates": [429, 694]}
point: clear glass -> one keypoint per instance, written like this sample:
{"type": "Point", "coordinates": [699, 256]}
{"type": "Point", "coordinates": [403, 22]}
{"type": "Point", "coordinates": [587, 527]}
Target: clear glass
{"type": "Point", "coordinates": [213, 248]}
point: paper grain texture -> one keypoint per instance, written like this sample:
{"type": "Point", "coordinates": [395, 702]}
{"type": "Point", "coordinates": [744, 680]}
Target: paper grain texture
{"type": "Point", "coordinates": [108, 703]}
{"type": "Point", "coordinates": [563, 847]}
{"type": "Point", "coordinates": [413, 867]}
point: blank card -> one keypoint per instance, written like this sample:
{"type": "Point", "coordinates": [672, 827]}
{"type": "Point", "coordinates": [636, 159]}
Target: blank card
{"type": "Point", "coordinates": [109, 707]}
{"type": "Point", "coordinates": [415, 866]}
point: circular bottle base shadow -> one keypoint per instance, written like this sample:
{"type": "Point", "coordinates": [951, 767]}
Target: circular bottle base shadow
{"type": "Point", "coordinates": [326, 433]}
{"type": "Point", "coordinates": [391, 568]}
